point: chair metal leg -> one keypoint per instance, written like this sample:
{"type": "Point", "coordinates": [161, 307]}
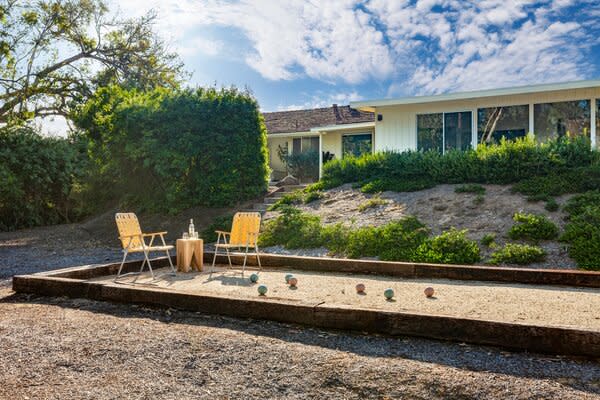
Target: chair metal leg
{"type": "Point", "coordinates": [149, 265]}
{"type": "Point", "coordinates": [121, 267]}
{"type": "Point", "coordinates": [245, 259]}
{"type": "Point", "coordinates": [228, 257]}
{"type": "Point", "coordinates": [257, 257]}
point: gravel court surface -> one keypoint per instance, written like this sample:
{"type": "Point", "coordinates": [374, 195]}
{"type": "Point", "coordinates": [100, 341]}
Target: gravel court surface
{"type": "Point", "coordinates": [530, 304]}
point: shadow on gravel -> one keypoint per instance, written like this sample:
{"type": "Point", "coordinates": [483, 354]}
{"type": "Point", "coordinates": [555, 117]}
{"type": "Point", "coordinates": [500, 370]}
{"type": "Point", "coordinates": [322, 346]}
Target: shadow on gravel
{"type": "Point", "coordinates": [580, 374]}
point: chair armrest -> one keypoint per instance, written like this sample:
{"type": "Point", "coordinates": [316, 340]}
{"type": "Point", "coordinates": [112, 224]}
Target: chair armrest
{"type": "Point", "coordinates": [223, 232]}
{"type": "Point", "coordinates": [154, 233]}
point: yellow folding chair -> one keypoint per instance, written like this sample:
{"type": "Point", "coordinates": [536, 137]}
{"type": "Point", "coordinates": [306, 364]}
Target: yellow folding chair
{"type": "Point", "coordinates": [244, 235]}
{"type": "Point", "coordinates": [132, 241]}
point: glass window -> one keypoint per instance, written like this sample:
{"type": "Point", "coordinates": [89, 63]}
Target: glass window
{"type": "Point", "coordinates": [357, 145]}
{"type": "Point", "coordinates": [597, 123]}
{"type": "Point", "coordinates": [310, 143]}
{"type": "Point", "coordinates": [457, 130]}
{"type": "Point", "coordinates": [496, 122]}
{"type": "Point", "coordinates": [297, 145]}
{"type": "Point", "coordinates": [553, 120]}
{"type": "Point", "coordinates": [430, 131]}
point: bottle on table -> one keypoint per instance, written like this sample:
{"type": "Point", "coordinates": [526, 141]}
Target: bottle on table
{"type": "Point", "coordinates": [191, 230]}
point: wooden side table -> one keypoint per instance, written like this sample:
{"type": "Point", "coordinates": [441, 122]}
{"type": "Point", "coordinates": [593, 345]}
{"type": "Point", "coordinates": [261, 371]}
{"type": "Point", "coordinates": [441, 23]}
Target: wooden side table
{"type": "Point", "coordinates": [190, 254]}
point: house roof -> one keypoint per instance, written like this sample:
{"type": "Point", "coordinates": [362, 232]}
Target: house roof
{"type": "Point", "coordinates": [370, 105]}
{"type": "Point", "coordinates": [305, 120]}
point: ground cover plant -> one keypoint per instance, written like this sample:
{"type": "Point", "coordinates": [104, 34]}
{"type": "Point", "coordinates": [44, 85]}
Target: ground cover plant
{"type": "Point", "coordinates": [514, 253]}
{"type": "Point", "coordinates": [532, 227]}
{"type": "Point", "coordinates": [582, 232]}
{"type": "Point", "coordinates": [405, 239]}
{"type": "Point", "coordinates": [373, 202]}
{"type": "Point", "coordinates": [470, 188]}
{"type": "Point", "coordinates": [451, 247]}
{"type": "Point", "coordinates": [303, 196]}
{"type": "Point", "coordinates": [503, 163]}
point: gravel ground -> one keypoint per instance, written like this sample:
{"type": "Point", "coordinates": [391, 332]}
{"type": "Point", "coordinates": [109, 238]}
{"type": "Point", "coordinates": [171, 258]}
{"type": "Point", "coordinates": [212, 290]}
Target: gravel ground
{"type": "Point", "coordinates": [439, 208]}
{"type": "Point", "coordinates": [56, 348]}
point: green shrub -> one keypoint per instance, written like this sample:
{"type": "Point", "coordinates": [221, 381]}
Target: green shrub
{"type": "Point", "coordinates": [575, 180]}
{"type": "Point", "coordinates": [220, 223]}
{"type": "Point", "coordinates": [39, 178]}
{"type": "Point", "coordinates": [521, 254]}
{"type": "Point", "coordinates": [371, 203]}
{"type": "Point", "coordinates": [395, 241]}
{"type": "Point", "coordinates": [470, 188]}
{"type": "Point", "coordinates": [488, 239]}
{"type": "Point", "coordinates": [451, 247]}
{"type": "Point", "coordinates": [532, 227]}
{"type": "Point", "coordinates": [303, 165]}
{"type": "Point", "coordinates": [479, 199]}
{"type": "Point", "coordinates": [551, 205]}
{"type": "Point", "coordinates": [309, 197]}
{"type": "Point", "coordinates": [502, 163]}
{"type": "Point", "coordinates": [292, 229]}
{"type": "Point", "coordinates": [335, 238]}
{"type": "Point", "coordinates": [174, 149]}
{"type": "Point", "coordinates": [582, 232]}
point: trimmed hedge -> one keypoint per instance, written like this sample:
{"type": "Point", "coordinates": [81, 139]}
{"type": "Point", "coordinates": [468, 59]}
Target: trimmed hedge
{"type": "Point", "coordinates": [502, 163]}
{"type": "Point", "coordinates": [174, 149]}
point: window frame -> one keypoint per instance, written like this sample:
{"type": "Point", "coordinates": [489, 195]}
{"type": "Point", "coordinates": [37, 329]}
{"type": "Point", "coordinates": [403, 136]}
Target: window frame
{"type": "Point", "coordinates": [462, 110]}
{"type": "Point", "coordinates": [357, 134]}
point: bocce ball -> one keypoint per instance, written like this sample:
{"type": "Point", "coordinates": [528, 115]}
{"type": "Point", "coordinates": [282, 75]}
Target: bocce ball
{"type": "Point", "coordinates": [262, 290]}
{"type": "Point", "coordinates": [360, 288]}
{"type": "Point", "coordinates": [293, 281]}
{"type": "Point", "coordinates": [254, 278]}
{"type": "Point", "coordinates": [287, 278]}
{"type": "Point", "coordinates": [429, 292]}
{"type": "Point", "coordinates": [388, 293]}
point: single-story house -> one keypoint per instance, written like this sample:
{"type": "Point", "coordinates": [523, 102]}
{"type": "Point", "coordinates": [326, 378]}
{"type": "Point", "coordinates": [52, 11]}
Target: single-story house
{"type": "Point", "coordinates": [457, 120]}
{"type": "Point", "coordinates": [332, 131]}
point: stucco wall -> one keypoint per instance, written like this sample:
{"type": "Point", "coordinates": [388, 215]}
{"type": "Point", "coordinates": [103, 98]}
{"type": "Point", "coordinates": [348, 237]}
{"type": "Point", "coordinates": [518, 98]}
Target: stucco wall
{"type": "Point", "coordinates": [398, 131]}
{"type": "Point", "coordinates": [276, 165]}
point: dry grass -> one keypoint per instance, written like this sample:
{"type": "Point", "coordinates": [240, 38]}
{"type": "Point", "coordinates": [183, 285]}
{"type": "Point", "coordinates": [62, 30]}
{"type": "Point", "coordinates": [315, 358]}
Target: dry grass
{"type": "Point", "coordinates": [81, 349]}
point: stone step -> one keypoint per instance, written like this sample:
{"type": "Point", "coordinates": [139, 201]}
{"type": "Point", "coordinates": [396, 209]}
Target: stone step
{"type": "Point", "coordinates": [270, 200]}
{"type": "Point", "coordinates": [259, 207]}
{"type": "Point", "coordinates": [293, 188]}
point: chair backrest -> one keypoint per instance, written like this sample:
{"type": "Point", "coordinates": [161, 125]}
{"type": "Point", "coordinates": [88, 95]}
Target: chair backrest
{"type": "Point", "coordinates": [128, 224]}
{"type": "Point", "coordinates": [245, 228]}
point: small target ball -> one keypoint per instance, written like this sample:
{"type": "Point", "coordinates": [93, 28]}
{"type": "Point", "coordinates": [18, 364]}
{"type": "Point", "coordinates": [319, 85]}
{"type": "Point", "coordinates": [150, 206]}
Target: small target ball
{"type": "Point", "coordinates": [293, 281]}
{"type": "Point", "coordinates": [254, 278]}
{"type": "Point", "coordinates": [360, 288]}
{"type": "Point", "coordinates": [429, 292]}
{"type": "Point", "coordinates": [262, 290]}
{"type": "Point", "coordinates": [388, 293]}
{"type": "Point", "coordinates": [287, 278]}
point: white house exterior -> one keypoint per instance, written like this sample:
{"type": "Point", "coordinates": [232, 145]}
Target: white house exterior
{"type": "Point", "coordinates": [439, 122]}
{"type": "Point", "coordinates": [546, 110]}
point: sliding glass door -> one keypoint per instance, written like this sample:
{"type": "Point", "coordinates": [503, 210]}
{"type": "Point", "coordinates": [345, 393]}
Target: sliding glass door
{"type": "Point", "coordinates": [445, 131]}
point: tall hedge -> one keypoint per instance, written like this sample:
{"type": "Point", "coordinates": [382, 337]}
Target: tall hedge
{"type": "Point", "coordinates": [169, 150]}
{"type": "Point", "coordinates": [37, 175]}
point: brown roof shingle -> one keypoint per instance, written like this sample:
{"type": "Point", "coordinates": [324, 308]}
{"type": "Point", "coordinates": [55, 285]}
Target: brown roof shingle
{"type": "Point", "coordinates": [304, 120]}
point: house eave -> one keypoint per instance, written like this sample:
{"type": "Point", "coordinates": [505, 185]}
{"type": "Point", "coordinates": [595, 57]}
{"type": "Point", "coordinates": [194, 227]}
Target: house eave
{"type": "Point", "coordinates": [343, 127]}
{"type": "Point", "coordinates": [371, 105]}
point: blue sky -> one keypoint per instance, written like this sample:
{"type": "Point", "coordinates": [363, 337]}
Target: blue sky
{"type": "Point", "coordinates": [301, 54]}
{"type": "Point", "coordinates": [295, 54]}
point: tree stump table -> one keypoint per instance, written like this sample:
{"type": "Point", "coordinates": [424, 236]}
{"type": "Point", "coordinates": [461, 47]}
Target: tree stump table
{"type": "Point", "coordinates": [190, 254]}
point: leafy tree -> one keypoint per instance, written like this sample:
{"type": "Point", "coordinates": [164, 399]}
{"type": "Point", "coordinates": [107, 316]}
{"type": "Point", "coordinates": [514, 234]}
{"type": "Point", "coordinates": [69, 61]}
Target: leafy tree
{"type": "Point", "coordinates": [54, 53]}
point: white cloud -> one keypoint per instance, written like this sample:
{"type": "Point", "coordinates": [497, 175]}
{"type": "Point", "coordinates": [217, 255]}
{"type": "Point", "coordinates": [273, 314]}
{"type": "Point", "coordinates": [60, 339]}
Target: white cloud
{"type": "Point", "coordinates": [428, 46]}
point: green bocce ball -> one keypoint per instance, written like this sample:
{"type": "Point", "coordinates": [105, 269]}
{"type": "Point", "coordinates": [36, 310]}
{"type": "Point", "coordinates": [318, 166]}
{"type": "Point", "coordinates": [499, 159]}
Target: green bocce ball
{"type": "Point", "coordinates": [388, 293]}
{"type": "Point", "coordinates": [262, 290]}
{"type": "Point", "coordinates": [254, 278]}
{"type": "Point", "coordinates": [287, 278]}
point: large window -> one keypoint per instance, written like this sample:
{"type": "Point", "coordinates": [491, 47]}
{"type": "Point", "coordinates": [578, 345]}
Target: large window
{"type": "Point", "coordinates": [444, 131]}
{"type": "Point", "coordinates": [357, 145]}
{"type": "Point", "coordinates": [552, 120]}
{"type": "Point", "coordinates": [458, 130]}
{"type": "Point", "coordinates": [300, 145]}
{"type": "Point", "coordinates": [496, 122]}
{"type": "Point", "coordinates": [430, 132]}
